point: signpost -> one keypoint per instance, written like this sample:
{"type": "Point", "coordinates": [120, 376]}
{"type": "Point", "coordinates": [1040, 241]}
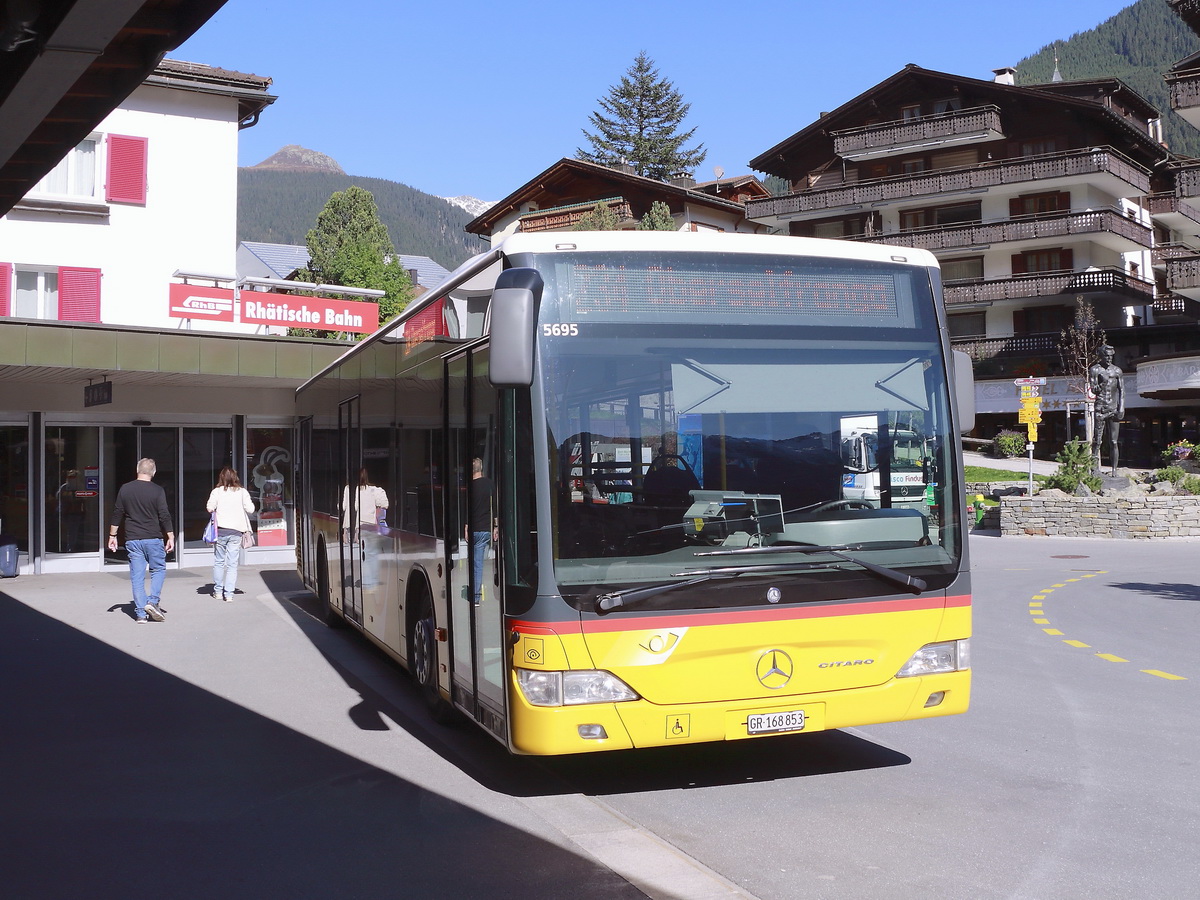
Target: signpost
{"type": "Point", "coordinates": [1030, 414]}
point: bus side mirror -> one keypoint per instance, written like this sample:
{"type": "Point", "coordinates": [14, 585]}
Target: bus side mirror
{"type": "Point", "coordinates": [964, 391]}
{"type": "Point", "coordinates": [512, 317]}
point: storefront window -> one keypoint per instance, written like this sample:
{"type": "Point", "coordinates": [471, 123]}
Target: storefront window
{"type": "Point", "coordinates": [14, 484]}
{"type": "Point", "coordinates": [269, 454]}
{"type": "Point", "coordinates": [72, 502]}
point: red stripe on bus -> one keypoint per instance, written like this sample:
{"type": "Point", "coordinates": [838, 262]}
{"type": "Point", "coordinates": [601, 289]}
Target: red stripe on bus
{"type": "Point", "coordinates": [741, 617]}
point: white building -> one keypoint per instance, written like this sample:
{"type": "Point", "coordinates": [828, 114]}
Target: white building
{"type": "Point", "coordinates": [100, 364]}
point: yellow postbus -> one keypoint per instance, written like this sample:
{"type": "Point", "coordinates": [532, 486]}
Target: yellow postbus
{"type": "Point", "coordinates": [590, 490]}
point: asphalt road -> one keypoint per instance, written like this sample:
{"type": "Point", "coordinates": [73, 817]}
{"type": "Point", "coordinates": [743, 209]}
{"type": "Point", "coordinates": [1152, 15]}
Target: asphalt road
{"type": "Point", "coordinates": [244, 750]}
{"type": "Point", "coordinates": [1073, 775]}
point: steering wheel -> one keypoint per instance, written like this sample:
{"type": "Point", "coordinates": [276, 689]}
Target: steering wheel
{"type": "Point", "coordinates": [840, 504]}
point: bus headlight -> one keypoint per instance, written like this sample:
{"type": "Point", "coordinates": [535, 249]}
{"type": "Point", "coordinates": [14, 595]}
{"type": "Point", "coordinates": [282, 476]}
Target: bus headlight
{"type": "Point", "coordinates": [573, 688]}
{"type": "Point", "coordinates": [948, 656]}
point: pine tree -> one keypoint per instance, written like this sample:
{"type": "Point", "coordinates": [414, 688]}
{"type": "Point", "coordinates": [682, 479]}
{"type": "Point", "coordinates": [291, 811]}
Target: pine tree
{"type": "Point", "coordinates": [600, 218]}
{"type": "Point", "coordinates": [350, 246]}
{"type": "Point", "coordinates": [658, 218]}
{"type": "Point", "coordinates": [637, 124]}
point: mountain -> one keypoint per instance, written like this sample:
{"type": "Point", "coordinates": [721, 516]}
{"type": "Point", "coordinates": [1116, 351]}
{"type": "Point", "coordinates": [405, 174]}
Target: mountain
{"type": "Point", "coordinates": [295, 158]}
{"type": "Point", "coordinates": [1137, 45]}
{"type": "Point", "coordinates": [473, 205]}
{"type": "Point", "coordinates": [280, 198]}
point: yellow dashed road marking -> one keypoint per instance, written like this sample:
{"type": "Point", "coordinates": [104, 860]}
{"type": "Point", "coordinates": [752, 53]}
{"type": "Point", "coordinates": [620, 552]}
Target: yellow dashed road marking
{"type": "Point", "coordinates": [1035, 609]}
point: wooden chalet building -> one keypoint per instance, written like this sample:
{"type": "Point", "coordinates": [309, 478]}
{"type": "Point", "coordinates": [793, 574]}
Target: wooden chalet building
{"type": "Point", "coordinates": [1033, 198]}
{"type": "Point", "coordinates": [556, 199]}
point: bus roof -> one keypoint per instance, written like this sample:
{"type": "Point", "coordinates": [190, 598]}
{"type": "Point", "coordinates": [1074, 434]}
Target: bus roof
{"type": "Point", "coordinates": [710, 242]}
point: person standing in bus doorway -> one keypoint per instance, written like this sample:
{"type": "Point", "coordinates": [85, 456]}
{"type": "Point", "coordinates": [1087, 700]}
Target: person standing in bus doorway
{"type": "Point", "coordinates": [232, 505]}
{"type": "Point", "coordinates": [142, 506]}
{"type": "Point", "coordinates": [372, 513]}
{"type": "Point", "coordinates": [483, 523]}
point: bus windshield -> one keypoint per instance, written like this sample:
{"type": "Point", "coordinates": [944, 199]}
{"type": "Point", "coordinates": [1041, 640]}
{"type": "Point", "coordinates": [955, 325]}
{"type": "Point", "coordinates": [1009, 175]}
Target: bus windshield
{"type": "Point", "coordinates": [679, 429]}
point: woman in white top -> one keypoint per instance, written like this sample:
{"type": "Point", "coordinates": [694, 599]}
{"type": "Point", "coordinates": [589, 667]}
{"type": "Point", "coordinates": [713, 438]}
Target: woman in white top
{"type": "Point", "coordinates": [368, 531]}
{"type": "Point", "coordinates": [232, 504]}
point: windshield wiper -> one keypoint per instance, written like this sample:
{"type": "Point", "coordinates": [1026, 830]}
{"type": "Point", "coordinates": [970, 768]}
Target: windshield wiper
{"type": "Point", "coordinates": [615, 599]}
{"type": "Point", "coordinates": [909, 582]}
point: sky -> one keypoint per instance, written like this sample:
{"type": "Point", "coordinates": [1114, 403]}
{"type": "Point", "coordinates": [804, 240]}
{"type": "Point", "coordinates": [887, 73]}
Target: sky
{"type": "Point", "coordinates": [466, 98]}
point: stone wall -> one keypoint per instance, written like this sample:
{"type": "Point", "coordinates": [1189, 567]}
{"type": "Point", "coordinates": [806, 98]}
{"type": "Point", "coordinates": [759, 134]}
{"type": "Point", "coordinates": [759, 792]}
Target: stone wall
{"type": "Point", "coordinates": [1060, 514]}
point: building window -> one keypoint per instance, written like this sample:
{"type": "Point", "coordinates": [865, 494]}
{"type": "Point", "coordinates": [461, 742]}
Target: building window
{"type": "Point", "coordinates": [35, 294]}
{"type": "Point", "coordinates": [912, 166]}
{"type": "Point", "coordinates": [959, 214]}
{"type": "Point", "coordinates": [75, 175]}
{"type": "Point", "coordinates": [835, 229]}
{"type": "Point", "coordinates": [1033, 204]}
{"type": "Point", "coordinates": [1039, 147]}
{"type": "Point", "coordinates": [910, 113]}
{"type": "Point", "coordinates": [966, 269]}
{"type": "Point", "coordinates": [912, 218]}
{"type": "Point", "coordinates": [966, 325]}
{"type": "Point", "coordinates": [1058, 259]}
{"type": "Point", "coordinates": [945, 106]}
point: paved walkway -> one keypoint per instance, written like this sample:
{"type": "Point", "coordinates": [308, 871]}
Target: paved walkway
{"type": "Point", "coordinates": [245, 750]}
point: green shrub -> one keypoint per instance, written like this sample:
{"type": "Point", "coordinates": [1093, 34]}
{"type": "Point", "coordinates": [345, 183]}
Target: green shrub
{"type": "Point", "coordinates": [1009, 443]}
{"type": "Point", "coordinates": [1173, 474]}
{"type": "Point", "coordinates": [1189, 483]}
{"type": "Point", "coordinates": [1074, 468]}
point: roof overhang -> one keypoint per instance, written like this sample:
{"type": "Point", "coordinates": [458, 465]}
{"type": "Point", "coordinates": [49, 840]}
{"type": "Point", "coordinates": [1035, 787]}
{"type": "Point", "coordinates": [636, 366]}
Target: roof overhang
{"type": "Point", "coordinates": [74, 62]}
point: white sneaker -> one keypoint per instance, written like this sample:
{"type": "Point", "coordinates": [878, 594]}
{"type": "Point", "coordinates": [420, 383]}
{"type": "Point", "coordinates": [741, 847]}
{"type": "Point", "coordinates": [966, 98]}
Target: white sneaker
{"type": "Point", "coordinates": [155, 613]}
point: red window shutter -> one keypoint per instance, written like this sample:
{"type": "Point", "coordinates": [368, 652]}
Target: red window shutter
{"type": "Point", "coordinates": [6, 289]}
{"type": "Point", "coordinates": [126, 169]}
{"type": "Point", "coordinates": [1064, 201]}
{"type": "Point", "coordinates": [79, 295]}
{"type": "Point", "coordinates": [1019, 264]}
{"type": "Point", "coordinates": [1016, 206]}
{"type": "Point", "coordinates": [1066, 259]}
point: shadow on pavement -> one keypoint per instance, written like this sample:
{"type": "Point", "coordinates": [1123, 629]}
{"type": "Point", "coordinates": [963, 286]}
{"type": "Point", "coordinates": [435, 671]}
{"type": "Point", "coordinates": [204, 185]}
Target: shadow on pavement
{"type": "Point", "coordinates": [1162, 591]}
{"type": "Point", "coordinates": [123, 781]}
{"type": "Point", "coordinates": [595, 774]}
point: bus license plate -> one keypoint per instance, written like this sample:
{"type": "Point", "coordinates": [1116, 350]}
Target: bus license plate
{"type": "Point", "coordinates": [773, 723]}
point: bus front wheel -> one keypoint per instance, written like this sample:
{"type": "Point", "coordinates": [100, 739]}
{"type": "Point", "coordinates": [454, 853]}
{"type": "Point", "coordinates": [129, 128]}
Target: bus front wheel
{"type": "Point", "coordinates": [422, 660]}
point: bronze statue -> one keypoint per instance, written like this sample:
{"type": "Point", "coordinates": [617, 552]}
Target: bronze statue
{"type": "Point", "coordinates": [1107, 384]}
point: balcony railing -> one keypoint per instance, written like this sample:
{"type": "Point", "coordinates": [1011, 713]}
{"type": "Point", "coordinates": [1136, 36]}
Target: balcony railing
{"type": "Point", "coordinates": [564, 218]}
{"type": "Point", "coordinates": [1184, 89]}
{"type": "Point", "coordinates": [980, 177]}
{"type": "Point", "coordinates": [1183, 274]}
{"type": "Point", "coordinates": [1175, 309]}
{"type": "Point", "coordinates": [980, 120]}
{"type": "Point", "coordinates": [1187, 179]}
{"type": "Point", "coordinates": [1165, 204]}
{"type": "Point", "coordinates": [1164, 252]}
{"type": "Point", "coordinates": [1189, 11]}
{"type": "Point", "coordinates": [1015, 344]}
{"type": "Point", "coordinates": [1045, 225]}
{"type": "Point", "coordinates": [1050, 284]}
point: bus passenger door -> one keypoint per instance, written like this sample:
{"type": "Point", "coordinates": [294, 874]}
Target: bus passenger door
{"type": "Point", "coordinates": [475, 607]}
{"type": "Point", "coordinates": [349, 543]}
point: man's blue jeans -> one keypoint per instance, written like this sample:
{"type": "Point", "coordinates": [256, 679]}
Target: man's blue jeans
{"type": "Point", "coordinates": [150, 553]}
{"type": "Point", "coordinates": [479, 546]}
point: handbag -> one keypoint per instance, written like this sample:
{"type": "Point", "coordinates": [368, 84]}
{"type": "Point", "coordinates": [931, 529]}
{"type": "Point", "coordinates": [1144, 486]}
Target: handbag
{"type": "Point", "coordinates": [210, 530]}
{"type": "Point", "coordinates": [247, 539]}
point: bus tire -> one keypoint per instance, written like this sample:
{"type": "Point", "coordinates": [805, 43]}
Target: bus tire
{"type": "Point", "coordinates": [422, 658]}
{"type": "Point", "coordinates": [326, 612]}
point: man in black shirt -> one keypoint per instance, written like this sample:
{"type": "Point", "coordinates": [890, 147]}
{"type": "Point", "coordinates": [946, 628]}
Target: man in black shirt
{"type": "Point", "coordinates": [142, 505]}
{"type": "Point", "coordinates": [483, 522]}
